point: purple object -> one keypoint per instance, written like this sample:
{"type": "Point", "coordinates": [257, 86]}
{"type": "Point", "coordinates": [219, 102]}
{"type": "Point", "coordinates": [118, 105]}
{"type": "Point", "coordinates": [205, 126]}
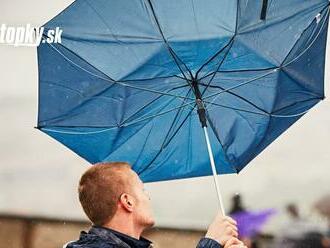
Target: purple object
{"type": "Point", "coordinates": [250, 223]}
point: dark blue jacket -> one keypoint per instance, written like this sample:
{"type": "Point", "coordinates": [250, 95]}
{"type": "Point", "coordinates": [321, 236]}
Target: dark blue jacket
{"type": "Point", "coordinates": [101, 237]}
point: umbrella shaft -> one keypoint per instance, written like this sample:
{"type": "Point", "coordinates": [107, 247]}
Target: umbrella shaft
{"type": "Point", "coordinates": [214, 171]}
{"type": "Point", "coordinates": [200, 105]}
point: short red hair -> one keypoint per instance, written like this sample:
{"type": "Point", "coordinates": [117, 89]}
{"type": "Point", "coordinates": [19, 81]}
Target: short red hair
{"type": "Point", "coordinates": [100, 188]}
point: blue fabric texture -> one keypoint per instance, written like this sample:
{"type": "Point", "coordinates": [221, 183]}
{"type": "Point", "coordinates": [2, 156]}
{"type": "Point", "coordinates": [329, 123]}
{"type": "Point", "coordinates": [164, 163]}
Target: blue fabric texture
{"type": "Point", "coordinates": [208, 243]}
{"type": "Point", "coordinates": [119, 86]}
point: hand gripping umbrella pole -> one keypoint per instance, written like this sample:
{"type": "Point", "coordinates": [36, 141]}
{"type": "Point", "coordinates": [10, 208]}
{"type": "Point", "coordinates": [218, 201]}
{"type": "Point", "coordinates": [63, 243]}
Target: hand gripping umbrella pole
{"type": "Point", "coordinates": [202, 117]}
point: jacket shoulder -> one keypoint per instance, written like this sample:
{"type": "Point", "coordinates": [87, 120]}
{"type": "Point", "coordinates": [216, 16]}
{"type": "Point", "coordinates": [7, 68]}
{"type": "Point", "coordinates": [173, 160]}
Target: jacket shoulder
{"type": "Point", "coordinates": [79, 244]}
{"type": "Point", "coordinates": [87, 240]}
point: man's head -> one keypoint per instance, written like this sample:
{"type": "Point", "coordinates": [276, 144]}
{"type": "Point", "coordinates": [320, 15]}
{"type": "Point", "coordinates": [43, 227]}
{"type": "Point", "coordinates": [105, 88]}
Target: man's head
{"type": "Point", "coordinates": [109, 190]}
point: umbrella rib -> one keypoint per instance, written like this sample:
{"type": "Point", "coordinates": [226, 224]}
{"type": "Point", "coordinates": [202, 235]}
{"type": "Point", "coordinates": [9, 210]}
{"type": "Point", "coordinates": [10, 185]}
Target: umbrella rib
{"type": "Point", "coordinates": [162, 144]}
{"type": "Point", "coordinates": [270, 114]}
{"type": "Point", "coordinates": [235, 34]}
{"type": "Point", "coordinates": [220, 64]}
{"type": "Point", "coordinates": [240, 97]}
{"type": "Point", "coordinates": [139, 110]}
{"type": "Point", "coordinates": [291, 62]}
{"type": "Point", "coordinates": [166, 137]}
{"type": "Point", "coordinates": [109, 28]}
{"type": "Point", "coordinates": [214, 56]}
{"type": "Point", "coordinates": [286, 72]}
{"type": "Point", "coordinates": [171, 51]}
{"type": "Point", "coordinates": [48, 129]}
{"type": "Point", "coordinates": [268, 125]}
{"type": "Point", "coordinates": [241, 84]}
{"type": "Point", "coordinates": [119, 125]}
{"type": "Point", "coordinates": [113, 127]}
{"type": "Point", "coordinates": [159, 114]}
{"type": "Point", "coordinates": [224, 106]}
{"type": "Point", "coordinates": [144, 145]}
{"type": "Point", "coordinates": [256, 26]}
{"type": "Point", "coordinates": [120, 145]}
{"type": "Point", "coordinates": [245, 70]}
{"type": "Point", "coordinates": [173, 122]}
{"type": "Point", "coordinates": [148, 79]}
{"type": "Point", "coordinates": [269, 68]}
{"type": "Point", "coordinates": [184, 105]}
{"type": "Point", "coordinates": [234, 108]}
{"type": "Point", "coordinates": [230, 43]}
{"type": "Point", "coordinates": [63, 116]}
{"type": "Point", "coordinates": [238, 71]}
{"type": "Point", "coordinates": [108, 79]}
{"type": "Point", "coordinates": [196, 26]}
{"type": "Point", "coordinates": [292, 104]}
{"type": "Point", "coordinates": [327, 7]}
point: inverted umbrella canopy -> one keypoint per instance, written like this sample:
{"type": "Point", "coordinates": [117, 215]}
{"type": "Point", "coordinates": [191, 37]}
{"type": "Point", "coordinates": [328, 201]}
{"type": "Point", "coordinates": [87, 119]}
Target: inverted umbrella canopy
{"type": "Point", "coordinates": [129, 76]}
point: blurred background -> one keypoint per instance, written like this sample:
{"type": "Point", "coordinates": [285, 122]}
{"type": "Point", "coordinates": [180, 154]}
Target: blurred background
{"type": "Point", "coordinates": [38, 176]}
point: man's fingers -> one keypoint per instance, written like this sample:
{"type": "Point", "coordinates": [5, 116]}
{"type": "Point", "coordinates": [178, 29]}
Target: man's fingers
{"type": "Point", "coordinates": [231, 220]}
{"type": "Point", "coordinates": [232, 233]}
{"type": "Point", "coordinates": [222, 229]}
{"type": "Point", "coordinates": [233, 227]}
{"type": "Point", "coordinates": [237, 246]}
{"type": "Point", "coordinates": [226, 218]}
{"type": "Point", "coordinates": [231, 230]}
{"type": "Point", "coordinates": [233, 241]}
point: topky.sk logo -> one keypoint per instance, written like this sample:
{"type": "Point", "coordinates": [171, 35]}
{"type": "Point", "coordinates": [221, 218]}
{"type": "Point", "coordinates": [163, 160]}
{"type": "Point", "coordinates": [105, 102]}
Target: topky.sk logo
{"type": "Point", "coordinates": [28, 35]}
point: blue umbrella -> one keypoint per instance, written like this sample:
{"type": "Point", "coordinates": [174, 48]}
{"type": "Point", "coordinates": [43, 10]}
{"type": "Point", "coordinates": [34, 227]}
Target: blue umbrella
{"type": "Point", "coordinates": [149, 81]}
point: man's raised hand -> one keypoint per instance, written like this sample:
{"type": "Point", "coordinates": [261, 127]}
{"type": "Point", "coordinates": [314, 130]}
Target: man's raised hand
{"type": "Point", "coordinates": [223, 229]}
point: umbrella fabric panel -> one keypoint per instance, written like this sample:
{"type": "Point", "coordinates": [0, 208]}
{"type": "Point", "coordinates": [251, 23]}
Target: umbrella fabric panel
{"type": "Point", "coordinates": [273, 38]}
{"type": "Point", "coordinates": [121, 43]}
{"type": "Point", "coordinates": [238, 131]}
{"type": "Point", "coordinates": [195, 30]}
{"type": "Point", "coordinates": [75, 94]}
{"type": "Point", "coordinates": [306, 62]}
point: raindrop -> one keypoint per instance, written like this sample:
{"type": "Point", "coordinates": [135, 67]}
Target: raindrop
{"type": "Point", "coordinates": [318, 18]}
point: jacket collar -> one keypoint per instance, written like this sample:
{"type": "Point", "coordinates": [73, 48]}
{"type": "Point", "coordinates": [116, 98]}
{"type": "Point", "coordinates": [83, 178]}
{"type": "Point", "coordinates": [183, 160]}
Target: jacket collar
{"type": "Point", "coordinates": [120, 238]}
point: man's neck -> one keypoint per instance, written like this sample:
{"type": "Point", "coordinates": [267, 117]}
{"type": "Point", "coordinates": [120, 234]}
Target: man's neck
{"type": "Point", "coordinates": [125, 226]}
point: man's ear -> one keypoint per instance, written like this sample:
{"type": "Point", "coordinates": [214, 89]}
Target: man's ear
{"type": "Point", "coordinates": [127, 202]}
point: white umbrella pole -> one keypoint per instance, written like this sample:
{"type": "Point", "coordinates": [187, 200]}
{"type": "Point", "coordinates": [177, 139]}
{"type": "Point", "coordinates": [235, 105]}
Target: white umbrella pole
{"type": "Point", "coordinates": [202, 117]}
{"type": "Point", "coordinates": [214, 170]}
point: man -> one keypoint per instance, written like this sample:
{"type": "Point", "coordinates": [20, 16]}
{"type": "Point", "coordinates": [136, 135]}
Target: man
{"type": "Point", "coordinates": [113, 197]}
